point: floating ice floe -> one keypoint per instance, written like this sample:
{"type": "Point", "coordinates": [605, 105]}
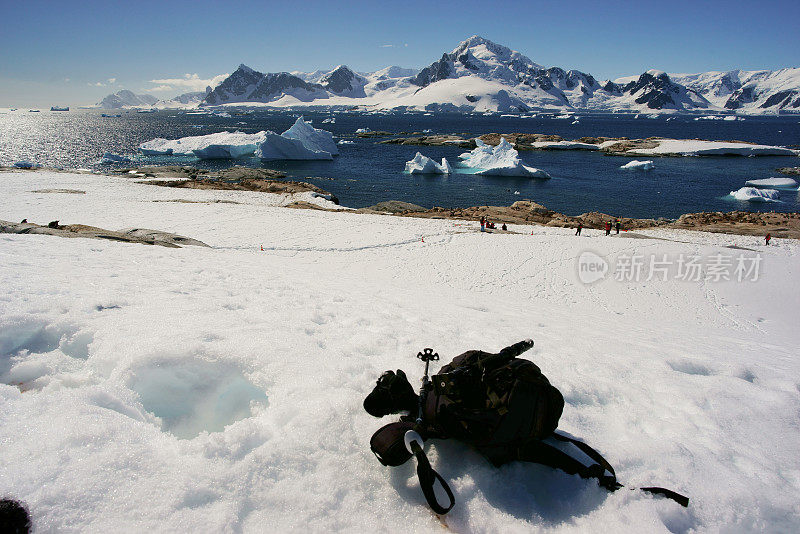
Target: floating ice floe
{"type": "Point", "coordinates": [212, 146]}
{"type": "Point", "coordinates": [501, 160]}
{"type": "Point", "coordinates": [345, 142]}
{"type": "Point", "coordinates": [109, 158]}
{"type": "Point", "coordinates": [329, 120]}
{"type": "Point", "coordinates": [363, 130]}
{"type": "Point", "coordinates": [753, 194]}
{"type": "Point", "coordinates": [425, 165]}
{"type": "Point", "coordinates": [777, 183]}
{"type": "Point", "coordinates": [25, 164]}
{"type": "Point", "coordinates": [638, 165]}
{"type": "Point", "coordinates": [694, 147]}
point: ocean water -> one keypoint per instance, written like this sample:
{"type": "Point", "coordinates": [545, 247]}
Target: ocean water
{"type": "Point", "coordinates": [366, 172]}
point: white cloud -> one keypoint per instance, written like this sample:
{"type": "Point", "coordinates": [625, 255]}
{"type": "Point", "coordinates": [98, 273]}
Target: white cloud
{"type": "Point", "coordinates": [66, 80]}
{"type": "Point", "coordinates": [96, 84]}
{"type": "Point", "coordinates": [160, 88]}
{"type": "Point", "coordinates": [189, 82]}
{"type": "Point", "coordinates": [387, 46]}
{"type": "Point", "coordinates": [112, 81]}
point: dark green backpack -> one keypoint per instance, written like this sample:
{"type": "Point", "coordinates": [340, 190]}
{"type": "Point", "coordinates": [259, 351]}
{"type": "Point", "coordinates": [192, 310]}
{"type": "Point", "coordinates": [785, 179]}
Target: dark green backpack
{"type": "Point", "coordinates": [494, 402]}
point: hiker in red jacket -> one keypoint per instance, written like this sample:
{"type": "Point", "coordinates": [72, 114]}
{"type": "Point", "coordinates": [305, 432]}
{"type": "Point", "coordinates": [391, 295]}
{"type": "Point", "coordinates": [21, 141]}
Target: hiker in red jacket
{"type": "Point", "coordinates": [608, 227]}
{"type": "Point", "coordinates": [767, 238]}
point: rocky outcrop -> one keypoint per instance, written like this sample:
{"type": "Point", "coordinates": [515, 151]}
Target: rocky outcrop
{"type": "Point", "coordinates": [792, 171]}
{"type": "Point", "coordinates": [129, 235]}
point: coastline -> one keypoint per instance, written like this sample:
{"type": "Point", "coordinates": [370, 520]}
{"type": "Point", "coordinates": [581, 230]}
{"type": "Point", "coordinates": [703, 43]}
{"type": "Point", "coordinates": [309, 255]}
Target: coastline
{"type": "Point", "coordinates": [522, 212]}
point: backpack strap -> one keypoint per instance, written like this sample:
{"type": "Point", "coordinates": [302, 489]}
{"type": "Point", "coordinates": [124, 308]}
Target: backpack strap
{"type": "Point", "coordinates": [542, 452]}
{"type": "Point", "coordinates": [427, 478]}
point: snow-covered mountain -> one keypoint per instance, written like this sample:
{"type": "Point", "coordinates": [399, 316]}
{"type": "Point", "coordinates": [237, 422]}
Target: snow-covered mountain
{"type": "Point", "coordinates": [479, 75]}
{"type": "Point", "coordinates": [738, 89]}
{"type": "Point", "coordinates": [125, 98]}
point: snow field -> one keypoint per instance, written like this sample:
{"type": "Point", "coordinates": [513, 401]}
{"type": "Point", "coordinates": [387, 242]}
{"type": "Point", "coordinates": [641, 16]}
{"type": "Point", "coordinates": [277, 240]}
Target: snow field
{"type": "Point", "coordinates": [220, 389]}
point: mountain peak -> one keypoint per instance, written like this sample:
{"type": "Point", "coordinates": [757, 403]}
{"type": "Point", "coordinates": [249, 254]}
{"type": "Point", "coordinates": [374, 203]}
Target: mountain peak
{"type": "Point", "coordinates": [244, 69]}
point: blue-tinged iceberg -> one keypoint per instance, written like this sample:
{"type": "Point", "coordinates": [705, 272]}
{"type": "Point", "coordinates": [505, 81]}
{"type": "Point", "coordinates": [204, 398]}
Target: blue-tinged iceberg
{"type": "Point", "coordinates": [501, 160]}
{"type": "Point", "coordinates": [213, 146]}
{"type": "Point", "coordinates": [302, 141]}
{"type": "Point", "coordinates": [425, 165]}
{"type": "Point", "coordinates": [753, 194]}
{"type": "Point", "coordinates": [312, 138]}
{"type": "Point", "coordinates": [277, 147]}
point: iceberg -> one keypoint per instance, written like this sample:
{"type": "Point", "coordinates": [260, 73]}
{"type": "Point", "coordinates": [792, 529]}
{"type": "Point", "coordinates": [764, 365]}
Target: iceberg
{"type": "Point", "coordinates": [639, 165]}
{"type": "Point", "coordinates": [276, 147]}
{"type": "Point", "coordinates": [775, 183]}
{"type": "Point", "coordinates": [753, 194]}
{"type": "Point", "coordinates": [212, 146]}
{"type": "Point", "coordinates": [312, 138]}
{"type": "Point", "coordinates": [425, 165]}
{"type": "Point", "coordinates": [109, 158]}
{"type": "Point", "coordinates": [301, 141]}
{"type": "Point", "coordinates": [502, 160]}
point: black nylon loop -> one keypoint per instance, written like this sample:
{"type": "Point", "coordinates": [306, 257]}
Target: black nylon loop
{"type": "Point", "coordinates": [427, 478]}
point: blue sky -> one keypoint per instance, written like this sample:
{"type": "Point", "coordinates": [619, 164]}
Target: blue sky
{"type": "Point", "coordinates": [77, 52]}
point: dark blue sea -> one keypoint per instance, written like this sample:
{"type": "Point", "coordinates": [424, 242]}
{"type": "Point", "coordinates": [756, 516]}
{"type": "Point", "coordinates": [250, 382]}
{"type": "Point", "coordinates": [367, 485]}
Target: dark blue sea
{"type": "Point", "coordinates": [366, 172]}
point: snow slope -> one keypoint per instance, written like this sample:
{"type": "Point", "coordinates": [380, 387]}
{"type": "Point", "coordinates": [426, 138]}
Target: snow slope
{"type": "Point", "coordinates": [219, 389]}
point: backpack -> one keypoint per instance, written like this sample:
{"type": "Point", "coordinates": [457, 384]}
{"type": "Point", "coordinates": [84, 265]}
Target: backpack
{"type": "Point", "coordinates": [501, 405]}
{"type": "Point", "coordinates": [494, 402]}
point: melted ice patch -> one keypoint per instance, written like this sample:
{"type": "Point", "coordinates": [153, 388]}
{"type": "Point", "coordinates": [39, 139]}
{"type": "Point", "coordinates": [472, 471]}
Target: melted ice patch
{"type": "Point", "coordinates": [191, 396]}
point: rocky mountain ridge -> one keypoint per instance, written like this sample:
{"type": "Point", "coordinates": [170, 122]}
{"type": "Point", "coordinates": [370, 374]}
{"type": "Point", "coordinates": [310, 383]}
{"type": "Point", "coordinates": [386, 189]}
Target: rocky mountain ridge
{"type": "Point", "coordinates": [479, 75]}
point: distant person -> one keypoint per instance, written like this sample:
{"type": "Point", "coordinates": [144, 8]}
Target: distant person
{"type": "Point", "coordinates": [766, 239]}
{"type": "Point", "coordinates": [483, 224]}
{"type": "Point", "coordinates": [505, 228]}
{"type": "Point", "coordinates": [608, 227]}
{"type": "Point", "coordinates": [580, 227]}
{"type": "Point", "coordinates": [618, 226]}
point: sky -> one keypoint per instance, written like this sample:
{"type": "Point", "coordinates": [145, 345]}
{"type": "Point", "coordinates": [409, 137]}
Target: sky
{"type": "Point", "coordinates": [56, 53]}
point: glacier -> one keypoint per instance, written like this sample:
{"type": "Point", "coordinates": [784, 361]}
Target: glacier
{"type": "Point", "coordinates": [425, 165]}
{"type": "Point", "coordinates": [502, 160]}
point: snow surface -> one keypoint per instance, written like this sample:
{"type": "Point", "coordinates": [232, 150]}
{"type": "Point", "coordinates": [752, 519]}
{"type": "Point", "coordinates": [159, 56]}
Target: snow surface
{"type": "Point", "coordinates": [638, 165]}
{"type": "Point", "coordinates": [500, 160]}
{"type": "Point", "coordinates": [778, 183]}
{"type": "Point", "coordinates": [754, 194]}
{"type": "Point", "coordinates": [425, 165]}
{"type": "Point", "coordinates": [565, 145]}
{"type": "Point", "coordinates": [695, 147]}
{"type": "Point", "coordinates": [220, 389]}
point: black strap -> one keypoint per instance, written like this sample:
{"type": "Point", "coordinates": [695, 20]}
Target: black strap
{"type": "Point", "coordinates": [427, 479]}
{"type": "Point", "coordinates": [544, 453]}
